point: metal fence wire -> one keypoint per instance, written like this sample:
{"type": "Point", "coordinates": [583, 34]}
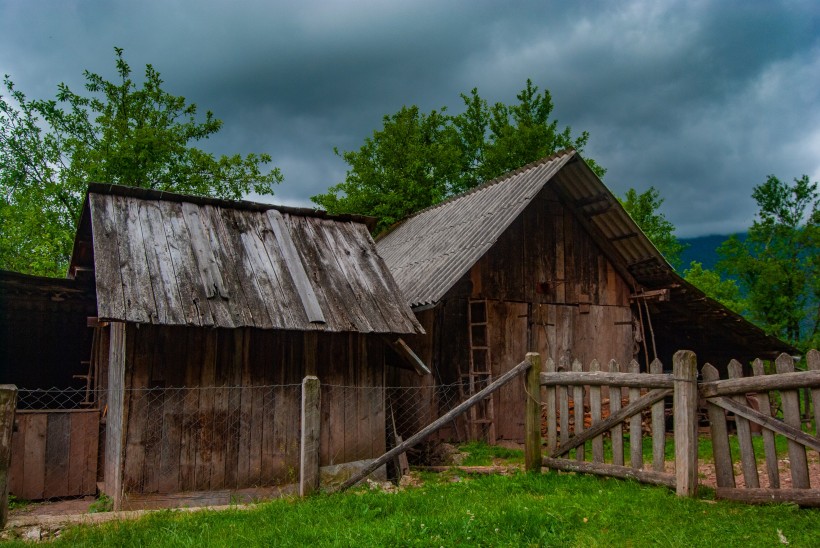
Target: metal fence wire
{"type": "Point", "coordinates": [205, 438]}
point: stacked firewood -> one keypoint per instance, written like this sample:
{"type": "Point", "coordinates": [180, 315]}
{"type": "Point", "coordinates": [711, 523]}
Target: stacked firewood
{"type": "Point", "coordinates": [646, 417]}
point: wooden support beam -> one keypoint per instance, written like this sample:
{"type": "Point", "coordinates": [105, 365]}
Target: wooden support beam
{"type": "Point", "coordinates": [309, 444]}
{"type": "Point", "coordinates": [801, 497]}
{"type": "Point", "coordinates": [406, 353]}
{"type": "Point", "coordinates": [685, 369]}
{"type": "Point", "coordinates": [626, 236]}
{"type": "Point", "coordinates": [532, 416]}
{"type": "Point", "coordinates": [611, 470]}
{"type": "Point", "coordinates": [781, 381]}
{"type": "Point", "coordinates": [436, 425]}
{"type": "Point", "coordinates": [603, 378]}
{"type": "Point", "coordinates": [8, 404]}
{"type": "Point", "coordinates": [660, 295]}
{"type": "Point", "coordinates": [777, 426]}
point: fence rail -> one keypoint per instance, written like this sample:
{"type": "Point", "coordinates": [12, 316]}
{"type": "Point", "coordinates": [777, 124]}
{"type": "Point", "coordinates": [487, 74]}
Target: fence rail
{"type": "Point", "coordinates": [743, 401]}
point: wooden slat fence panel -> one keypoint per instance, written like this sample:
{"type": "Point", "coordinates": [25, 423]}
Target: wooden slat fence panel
{"type": "Point", "coordinates": [769, 446]}
{"type": "Point", "coordinates": [54, 454]}
{"type": "Point", "coordinates": [595, 422]}
{"type": "Point", "coordinates": [791, 416]}
{"type": "Point", "coordinates": [635, 429]}
{"type": "Point", "coordinates": [658, 425]}
{"type": "Point", "coordinates": [735, 395]}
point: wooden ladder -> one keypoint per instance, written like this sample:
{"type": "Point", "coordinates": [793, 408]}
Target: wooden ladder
{"type": "Point", "coordinates": [481, 417]}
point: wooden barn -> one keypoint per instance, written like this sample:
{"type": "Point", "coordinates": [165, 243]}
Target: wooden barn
{"type": "Point", "coordinates": [545, 259]}
{"type": "Point", "coordinates": [208, 315]}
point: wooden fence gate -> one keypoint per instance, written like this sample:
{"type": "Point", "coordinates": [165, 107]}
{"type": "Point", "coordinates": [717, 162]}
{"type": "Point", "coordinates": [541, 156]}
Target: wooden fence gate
{"type": "Point", "coordinates": [733, 395]}
{"type": "Point", "coordinates": [565, 387]}
{"type": "Point", "coordinates": [54, 454]}
{"type": "Point", "coordinates": [570, 391]}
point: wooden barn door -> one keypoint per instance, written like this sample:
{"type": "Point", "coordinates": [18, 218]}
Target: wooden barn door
{"type": "Point", "coordinates": [507, 338]}
{"type": "Point", "coordinates": [569, 332]}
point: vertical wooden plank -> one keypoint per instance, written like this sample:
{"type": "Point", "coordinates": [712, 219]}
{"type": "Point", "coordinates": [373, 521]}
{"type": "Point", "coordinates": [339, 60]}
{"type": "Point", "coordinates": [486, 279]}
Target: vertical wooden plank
{"type": "Point", "coordinates": [375, 361]}
{"type": "Point", "coordinates": [253, 394]}
{"type": "Point", "coordinates": [309, 444]}
{"type": "Point", "coordinates": [813, 362]}
{"type": "Point", "coordinates": [114, 426]}
{"type": "Point", "coordinates": [107, 274]}
{"type": "Point", "coordinates": [615, 406]}
{"type": "Point", "coordinates": [205, 411]}
{"type": "Point", "coordinates": [744, 434]}
{"type": "Point", "coordinates": [83, 452]}
{"type": "Point", "coordinates": [685, 370]}
{"type": "Point", "coordinates": [34, 482]}
{"type": "Point", "coordinates": [193, 299]}
{"type": "Point", "coordinates": [532, 417]}
{"type": "Point", "coordinates": [560, 289]}
{"type": "Point", "coordinates": [791, 415]}
{"type": "Point", "coordinates": [595, 411]}
{"type": "Point", "coordinates": [58, 440]}
{"type": "Point", "coordinates": [17, 467]}
{"type": "Point", "coordinates": [159, 265]}
{"type": "Point", "coordinates": [247, 428]}
{"type": "Point", "coordinates": [658, 425]}
{"type": "Point", "coordinates": [720, 438]}
{"type": "Point", "coordinates": [549, 403]}
{"type": "Point", "coordinates": [195, 342]}
{"type": "Point", "coordinates": [635, 430]}
{"type": "Point", "coordinates": [8, 405]}
{"type": "Point", "coordinates": [769, 447]}
{"type": "Point", "coordinates": [563, 404]}
{"type": "Point", "coordinates": [578, 404]}
{"type": "Point", "coordinates": [170, 446]}
{"type": "Point", "coordinates": [139, 294]}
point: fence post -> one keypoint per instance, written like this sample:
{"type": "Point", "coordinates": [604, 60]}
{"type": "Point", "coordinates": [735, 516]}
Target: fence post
{"type": "Point", "coordinates": [8, 404]}
{"type": "Point", "coordinates": [309, 443]}
{"type": "Point", "coordinates": [532, 416]}
{"type": "Point", "coordinates": [685, 369]}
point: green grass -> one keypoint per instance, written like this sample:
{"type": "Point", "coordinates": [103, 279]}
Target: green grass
{"type": "Point", "coordinates": [482, 454]}
{"type": "Point", "coordinates": [520, 510]}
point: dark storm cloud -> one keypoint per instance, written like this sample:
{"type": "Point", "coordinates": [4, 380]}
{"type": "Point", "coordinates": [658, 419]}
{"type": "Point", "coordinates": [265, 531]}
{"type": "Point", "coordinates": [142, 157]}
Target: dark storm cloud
{"type": "Point", "coordinates": [700, 99]}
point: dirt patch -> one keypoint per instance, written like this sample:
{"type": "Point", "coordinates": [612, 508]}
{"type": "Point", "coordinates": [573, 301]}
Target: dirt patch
{"type": "Point", "coordinates": [707, 476]}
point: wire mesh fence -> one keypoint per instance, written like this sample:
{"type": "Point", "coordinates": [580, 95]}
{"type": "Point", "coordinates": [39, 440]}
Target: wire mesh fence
{"type": "Point", "coordinates": [204, 439]}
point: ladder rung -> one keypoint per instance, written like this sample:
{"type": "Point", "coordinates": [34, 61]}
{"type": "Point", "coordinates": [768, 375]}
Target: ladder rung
{"type": "Point", "coordinates": [481, 421]}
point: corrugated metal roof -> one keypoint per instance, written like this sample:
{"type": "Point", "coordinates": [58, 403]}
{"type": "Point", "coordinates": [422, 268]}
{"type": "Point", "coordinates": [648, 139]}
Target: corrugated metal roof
{"type": "Point", "coordinates": [430, 251]}
{"type": "Point", "coordinates": [169, 260]}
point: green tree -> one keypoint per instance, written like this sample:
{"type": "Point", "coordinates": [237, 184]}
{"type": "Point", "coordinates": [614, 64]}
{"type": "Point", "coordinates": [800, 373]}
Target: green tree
{"type": "Point", "coordinates": [777, 264]}
{"type": "Point", "coordinates": [118, 133]}
{"type": "Point", "coordinates": [725, 292]}
{"type": "Point", "coordinates": [407, 165]}
{"type": "Point", "coordinates": [644, 208]}
{"type": "Point", "coordinates": [416, 160]}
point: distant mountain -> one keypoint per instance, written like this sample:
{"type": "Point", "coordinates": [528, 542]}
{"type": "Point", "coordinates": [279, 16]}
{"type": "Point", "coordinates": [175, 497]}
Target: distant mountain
{"type": "Point", "coordinates": [703, 249]}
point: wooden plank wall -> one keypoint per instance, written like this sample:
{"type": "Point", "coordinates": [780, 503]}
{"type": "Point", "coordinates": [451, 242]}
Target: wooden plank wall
{"type": "Point", "coordinates": [579, 303]}
{"type": "Point", "coordinates": [550, 290]}
{"type": "Point", "coordinates": [54, 454]}
{"type": "Point", "coordinates": [239, 426]}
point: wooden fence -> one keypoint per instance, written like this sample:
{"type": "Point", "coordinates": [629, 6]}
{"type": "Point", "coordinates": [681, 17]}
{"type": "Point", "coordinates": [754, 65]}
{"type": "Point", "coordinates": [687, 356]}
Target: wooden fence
{"type": "Point", "coordinates": [54, 454]}
{"type": "Point", "coordinates": [733, 395]}
{"type": "Point", "coordinates": [573, 389]}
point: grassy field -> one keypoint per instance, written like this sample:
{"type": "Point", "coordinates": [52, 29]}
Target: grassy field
{"type": "Point", "coordinates": [452, 510]}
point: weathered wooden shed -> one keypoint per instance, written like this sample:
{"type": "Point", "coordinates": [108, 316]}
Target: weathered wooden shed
{"type": "Point", "coordinates": [545, 259]}
{"type": "Point", "coordinates": [236, 302]}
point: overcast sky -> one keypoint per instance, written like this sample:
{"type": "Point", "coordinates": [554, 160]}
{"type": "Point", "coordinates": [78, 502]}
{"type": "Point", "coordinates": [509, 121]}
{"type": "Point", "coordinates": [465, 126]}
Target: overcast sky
{"type": "Point", "coordinates": [700, 99]}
